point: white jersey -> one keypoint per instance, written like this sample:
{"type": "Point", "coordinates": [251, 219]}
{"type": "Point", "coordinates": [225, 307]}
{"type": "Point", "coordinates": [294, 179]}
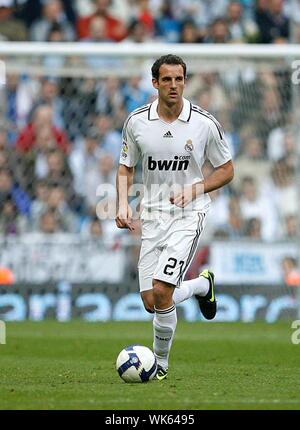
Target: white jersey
{"type": "Point", "coordinates": [172, 153]}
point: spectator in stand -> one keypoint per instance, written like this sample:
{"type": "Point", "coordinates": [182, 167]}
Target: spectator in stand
{"type": "Point", "coordinates": [52, 13]}
{"type": "Point", "coordinates": [271, 21]}
{"type": "Point", "coordinates": [255, 205]}
{"type": "Point", "coordinates": [39, 203]}
{"type": "Point", "coordinates": [282, 187]}
{"type": "Point", "coordinates": [66, 221]}
{"type": "Point", "coordinates": [226, 220]}
{"type": "Point", "coordinates": [53, 164]}
{"type": "Point", "coordinates": [56, 35]}
{"type": "Point", "coordinates": [93, 229]}
{"type": "Point", "coordinates": [97, 31]}
{"type": "Point", "coordinates": [115, 29]}
{"type": "Point", "coordinates": [207, 90]}
{"type": "Point", "coordinates": [241, 29]}
{"type": "Point", "coordinates": [84, 158]}
{"type": "Point", "coordinates": [260, 11]}
{"type": "Point", "coordinates": [137, 33]}
{"type": "Point", "coordinates": [11, 28]}
{"type": "Point", "coordinates": [42, 117]}
{"type": "Point", "coordinates": [234, 15]}
{"type": "Point", "coordinates": [134, 96]}
{"type": "Point", "coordinates": [251, 159]}
{"type": "Point", "coordinates": [190, 33]}
{"type": "Point", "coordinates": [49, 95]}
{"type": "Point", "coordinates": [218, 32]}
{"type": "Point", "coordinates": [103, 173]}
{"type": "Point", "coordinates": [98, 34]}
{"type": "Point", "coordinates": [290, 228]}
{"type": "Point", "coordinates": [211, 97]}
{"type": "Point", "coordinates": [203, 12]}
{"type": "Point", "coordinates": [79, 97]}
{"type": "Point", "coordinates": [48, 223]}
{"type": "Point", "coordinates": [142, 13]}
{"type": "Point", "coordinates": [8, 186]}
{"type": "Point", "coordinates": [218, 214]}
{"type": "Point", "coordinates": [281, 143]}
{"type": "Point", "coordinates": [167, 27]}
{"type": "Point", "coordinates": [253, 229]}
{"type": "Point", "coordinates": [57, 202]}
{"type": "Point", "coordinates": [270, 113]}
{"type": "Point", "coordinates": [47, 162]}
{"type": "Point", "coordinates": [58, 171]}
{"type": "Point", "coordinates": [110, 138]}
{"type": "Point", "coordinates": [121, 10]}
{"type": "Point", "coordinates": [21, 93]}
{"type": "Point", "coordinates": [235, 220]}
{"type": "Point", "coordinates": [31, 10]}
{"type": "Point", "coordinates": [84, 7]}
{"type": "Point", "coordinates": [33, 163]}
{"type": "Point", "coordinates": [120, 117]}
{"type": "Point", "coordinates": [11, 222]}
{"type": "Point", "coordinates": [290, 151]}
{"type": "Point", "coordinates": [109, 97]}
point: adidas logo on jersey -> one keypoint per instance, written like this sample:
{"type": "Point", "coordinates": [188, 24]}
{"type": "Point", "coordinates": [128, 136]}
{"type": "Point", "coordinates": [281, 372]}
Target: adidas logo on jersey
{"type": "Point", "coordinates": [175, 164]}
{"type": "Point", "coordinates": [168, 134]}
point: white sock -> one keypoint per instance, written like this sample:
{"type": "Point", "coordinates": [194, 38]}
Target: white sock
{"type": "Point", "coordinates": [187, 289]}
{"type": "Point", "coordinates": [164, 326]}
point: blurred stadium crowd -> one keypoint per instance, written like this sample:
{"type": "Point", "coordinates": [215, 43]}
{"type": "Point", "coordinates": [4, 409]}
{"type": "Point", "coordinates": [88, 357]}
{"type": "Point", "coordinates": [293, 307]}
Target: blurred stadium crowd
{"type": "Point", "coordinates": [138, 21]}
{"type": "Point", "coordinates": [60, 137]}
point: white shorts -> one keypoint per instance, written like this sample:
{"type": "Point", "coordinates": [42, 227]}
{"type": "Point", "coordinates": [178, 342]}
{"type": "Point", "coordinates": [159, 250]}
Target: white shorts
{"type": "Point", "coordinates": [168, 248]}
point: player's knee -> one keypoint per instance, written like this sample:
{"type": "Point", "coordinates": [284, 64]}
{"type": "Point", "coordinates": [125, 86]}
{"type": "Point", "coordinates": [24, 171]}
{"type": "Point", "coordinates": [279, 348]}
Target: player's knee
{"type": "Point", "coordinates": [161, 294]}
{"type": "Point", "coordinates": [149, 307]}
{"type": "Point", "coordinates": [148, 303]}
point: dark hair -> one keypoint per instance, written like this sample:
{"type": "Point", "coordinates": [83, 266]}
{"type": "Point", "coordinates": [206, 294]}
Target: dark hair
{"type": "Point", "coordinates": [54, 28]}
{"type": "Point", "coordinates": [167, 59]}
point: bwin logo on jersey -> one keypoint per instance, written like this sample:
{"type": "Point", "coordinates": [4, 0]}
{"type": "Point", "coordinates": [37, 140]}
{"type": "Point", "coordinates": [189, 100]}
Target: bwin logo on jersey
{"type": "Point", "coordinates": [175, 164]}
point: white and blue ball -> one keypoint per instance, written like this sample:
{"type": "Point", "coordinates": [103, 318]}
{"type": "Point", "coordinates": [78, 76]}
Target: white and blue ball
{"type": "Point", "coordinates": [136, 363]}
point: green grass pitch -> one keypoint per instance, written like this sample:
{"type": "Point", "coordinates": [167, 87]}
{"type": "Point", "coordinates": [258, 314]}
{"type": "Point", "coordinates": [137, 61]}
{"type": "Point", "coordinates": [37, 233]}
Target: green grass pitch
{"type": "Point", "coordinates": [51, 365]}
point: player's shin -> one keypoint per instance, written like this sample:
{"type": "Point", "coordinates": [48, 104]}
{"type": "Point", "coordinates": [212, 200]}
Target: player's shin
{"type": "Point", "coordinates": [187, 289]}
{"type": "Point", "coordinates": [164, 326]}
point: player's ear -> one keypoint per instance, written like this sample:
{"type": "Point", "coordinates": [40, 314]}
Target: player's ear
{"type": "Point", "coordinates": [155, 83]}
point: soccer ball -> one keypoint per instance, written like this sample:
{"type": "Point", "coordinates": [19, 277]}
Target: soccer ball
{"type": "Point", "coordinates": [136, 363]}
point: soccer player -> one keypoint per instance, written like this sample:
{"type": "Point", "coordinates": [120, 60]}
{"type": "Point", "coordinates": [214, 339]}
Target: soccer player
{"type": "Point", "coordinates": [173, 137]}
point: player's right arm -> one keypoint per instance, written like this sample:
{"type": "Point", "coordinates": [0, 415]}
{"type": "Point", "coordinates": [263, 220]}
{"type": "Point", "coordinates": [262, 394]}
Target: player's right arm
{"type": "Point", "coordinates": [128, 159]}
{"type": "Point", "coordinates": [124, 182]}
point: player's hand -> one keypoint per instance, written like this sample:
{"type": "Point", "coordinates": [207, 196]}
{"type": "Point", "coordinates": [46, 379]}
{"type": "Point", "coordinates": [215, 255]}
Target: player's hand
{"type": "Point", "coordinates": [187, 195]}
{"type": "Point", "coordinates": [124, 218]}
{"type": "Point", "coordinates": [181, 199]}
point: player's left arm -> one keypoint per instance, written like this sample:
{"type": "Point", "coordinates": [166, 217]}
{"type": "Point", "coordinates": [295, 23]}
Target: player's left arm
{"type": "Point", "coordinates": [220, 176]}
{"type": "Point", "coordinates": [217, 152]}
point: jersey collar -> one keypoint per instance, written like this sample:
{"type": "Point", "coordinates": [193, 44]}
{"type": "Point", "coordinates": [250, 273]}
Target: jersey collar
{"type": "Point", "coordinates": [185, 114]}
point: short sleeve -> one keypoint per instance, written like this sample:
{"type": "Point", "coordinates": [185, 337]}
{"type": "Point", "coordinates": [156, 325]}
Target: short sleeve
{"type": "Point", "coordinates": [130, 153]}
{"type": "Point", "coordinates": [217, 150]}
